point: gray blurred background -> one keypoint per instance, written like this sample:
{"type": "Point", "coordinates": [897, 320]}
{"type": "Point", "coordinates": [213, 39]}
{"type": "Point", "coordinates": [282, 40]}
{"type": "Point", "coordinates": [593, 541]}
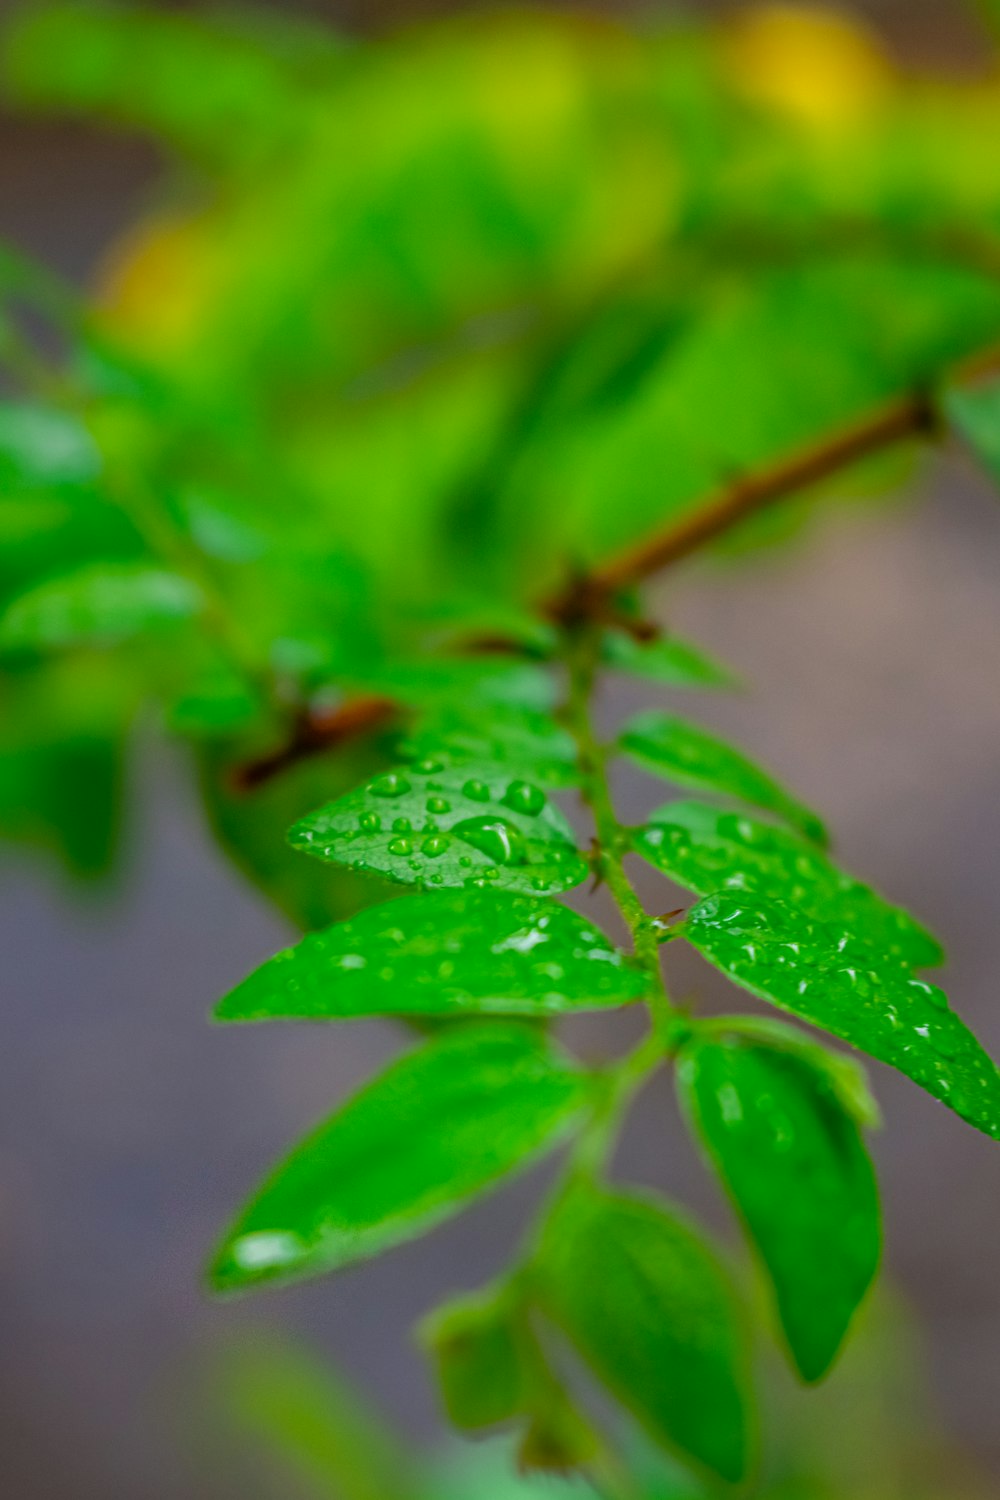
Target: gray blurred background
{"type": "Point", "coordinates": [129, 1128]}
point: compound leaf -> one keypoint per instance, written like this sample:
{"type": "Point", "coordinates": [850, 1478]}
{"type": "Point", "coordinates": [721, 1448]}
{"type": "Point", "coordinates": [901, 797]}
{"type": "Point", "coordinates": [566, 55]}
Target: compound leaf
{"type": "Point", "coordinates": [690, 756]}
{"type": "Point", "coordinates": [796, 1168]}
{"type": "Point", "coordinates": [443, 953]}
{"type": "Point", "coordinates": [432, 824]}
{"type": "Point", "coordinates": [707, 849]}
{"type": "Point", "coordinates": [97, 605]}
{"type": "Point", "coordinates": [664, 658]}
{"type": "Point", "coordinates": [822, 973]}
{"type": "Point", "coordinates": [435, 1130]}
{"type": "Point", "coordinates": [648, 1305]}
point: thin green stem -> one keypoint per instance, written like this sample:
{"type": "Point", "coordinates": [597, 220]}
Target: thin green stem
{"type": "Point", "coordinates": [611, 837]}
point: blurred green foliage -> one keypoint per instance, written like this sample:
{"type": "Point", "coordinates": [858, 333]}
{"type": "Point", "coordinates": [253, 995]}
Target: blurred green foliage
{"type": "Point", "coordinates": [411, 326]}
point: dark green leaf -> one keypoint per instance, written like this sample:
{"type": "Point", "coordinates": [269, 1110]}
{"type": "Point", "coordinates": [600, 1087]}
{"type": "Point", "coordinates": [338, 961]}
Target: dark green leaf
{"type": "Point", "coordinates": [822, 973]}
{"type": "Point", "coordinates": [707, 849]}
{"type": "Point", "coordinates": [797, 1170]}
{"type": "Point", "coordinates": [429, 824]}
{"type": "Point", "coordinates": [437, 1129]}
{"type": "Point", "coordinates": [690, 756]}
{"type": "Point", "coordinates": [478, 1346]}
{"type": "Point", "coordinates": [443, 953]}
{"type": "Point", "coordinates": [665, 658]}
{"type": "Point", "coordinates": [98, 605]}
{"type": "Point", "coordinates": [650, 1308]}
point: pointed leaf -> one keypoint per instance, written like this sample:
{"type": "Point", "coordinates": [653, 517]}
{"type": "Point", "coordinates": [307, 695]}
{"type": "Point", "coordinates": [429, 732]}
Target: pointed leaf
{"type": "Point", "coordinates": [428, 824]}
{"type": "Point", "coordinates": [845, 1075]}
{"type": "Point", "coordinates": [691, 756]}
{"type": "Point", "coordinates": [706, 848]}
{"type": "Point", "coordinates": [440, 954]}
{"type": "Point", "coordinates": [650, 1308]}
{"type": "Point", "coordinates": [823, 974]}
{"type": "Point", "coordinates": [796, 1168]}
{"type": "Point", "coordinates": [98, 605]}
{"type": "Point", "coordinates": [434, 1131]}
{"type": "Point", "coordinates": [530, 744]}
{"type": "Point", "coordinates": [665, 658]}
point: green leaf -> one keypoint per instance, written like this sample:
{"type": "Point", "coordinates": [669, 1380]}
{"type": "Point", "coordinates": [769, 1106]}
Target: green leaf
{"type": "Point", "coordinates": [478, 1347]}
{"type": "Point", "coordinates": [434, 1131]}
{"type": "Point", "coordinates": [974, 411]}
{"type": "Point", "coordinates": [845, 1075]}
{"type": "Point", "coordinates": [690, 756]}
{"type": "Point", "coordinates": [441, 954]}
{"type": "Point", "coordinates": [648, 1305]}
{"type": "Point", "coordinates": [796, 1168]}
{"type": "Point", "coordinates": [666, 659]}
{"type": "Point", "coordinates": [705, 849]}
{"type": "Point", "coordinates": [98, 605]}
{"type": "Point", "coordinates": [528, 742]}
{"type": "Point", "coordinates": [428, 824]}
{"type": "Point", "coordinates": [824, 974]}
{"type": "Point", "coordinates": [44, 448]}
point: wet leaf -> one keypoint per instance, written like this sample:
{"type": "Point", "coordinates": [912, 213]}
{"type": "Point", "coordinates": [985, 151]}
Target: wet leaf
{"type": "Point", "coordinates": [824, 974]}
{"type": "Point", "coordinates": [648, 1305]}
{"type": "Point", "coordinates": [528, 742]}
{"type": "Point", "coordinates": [438, 1128]}
{"type": "Point", "coordinates": [430, 824]}
{"type": "Point", "coordinates": [99, 605]}
{"type": "Point", "coordinates": [443, 953]}
{"type": "Point", "coordinates": [708, 849]}
{"type": "Point", "coordinates": [690, 756]}
{"type": "Point", "coordinates": [793, 1161]}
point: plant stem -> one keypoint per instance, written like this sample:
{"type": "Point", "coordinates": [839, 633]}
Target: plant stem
{"type": "Point", "coordinates": [612, 840]}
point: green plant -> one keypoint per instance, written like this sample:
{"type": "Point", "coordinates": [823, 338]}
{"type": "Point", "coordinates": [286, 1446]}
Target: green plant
{"type": "Point", "coordinates": [311, 492]}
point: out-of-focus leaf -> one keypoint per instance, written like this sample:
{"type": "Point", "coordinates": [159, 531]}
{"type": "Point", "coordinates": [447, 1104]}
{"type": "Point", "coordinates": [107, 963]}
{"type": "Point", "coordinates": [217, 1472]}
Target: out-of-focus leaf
{"type": "Point", "coordinates": [42, 448]}
{"type": "Point", "coordinates": [975, 412]}
{"type": "Point", "coordinates": [691, 756]}
{"type": "Point", "coordinates": [528, 742]}
{"type": "Point", "coordinates": [707, 849]}
{"type": "Point", "coordinates": [428, 824]}
{"type": "Point", "coordinates": [824, 974]}
{"type": "Point", "coordinates": [443, 953]}
{"type": "Point", "coordinates": [650, 1308]}
{"type": "Point", "coordinates": [477, 1347]}
{"type": "Point", "coordinates": [434, 1131]}
{"type": "Point", "coordinates": [795, 1166]}
{"type": "Point", "coordinates": [844, 1075]}
{"type": "Point", "coordinates": [99, 605]}
{"type": "Point", "coordinates": [665, 658]}
{"type": "Point", "coordinates": [289, 1403]}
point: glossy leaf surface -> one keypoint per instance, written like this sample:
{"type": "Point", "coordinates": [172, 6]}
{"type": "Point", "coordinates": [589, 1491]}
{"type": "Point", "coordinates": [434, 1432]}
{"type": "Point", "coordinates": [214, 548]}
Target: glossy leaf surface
{"type": "Point", "coordinates": [708, 849]}
{"type": "Point", "coordinates": [796, 1168]}
{"type": "Point", "coordinates": [443, 953]}
{"type": "Point", "coordinates": [665, 658]}
{"type": "Point", "coordinates": [650, 1308]}
{"type": "Point", "coordinates": [435, 1130]}
{"type": "Point", "coordinates": [429, 824]}
{"type": "Point", "coordinates": [98, 605]}
{"type": "Point", "coordinates": [690, 756]}
{"type": "Point", "coordinates": [526, 741]}
{"type": "Point", "coordinates": [822, 973]}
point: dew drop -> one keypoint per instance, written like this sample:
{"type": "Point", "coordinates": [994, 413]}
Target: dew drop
{"type": "Point", "coordinates": [429, 766]}
{"type": "Point", "coordinates": [369, 822]}
{"type": "Point", "coordinates": [494, 837]}
{"type": "Point", "coordinates": [402, 825]}
{"type": "Point", "coordinates": [434, 846]}
{"type": "Point", "coordinates": [476, 791]}
{"type": "Point", "coordinates": [521, 796]}
{"type": "Point", "coordinates": [438, 805]}
{"type": "Point", "coordinates": [400, 847]}
{"type": "Point", "coordinates": [389, 785]}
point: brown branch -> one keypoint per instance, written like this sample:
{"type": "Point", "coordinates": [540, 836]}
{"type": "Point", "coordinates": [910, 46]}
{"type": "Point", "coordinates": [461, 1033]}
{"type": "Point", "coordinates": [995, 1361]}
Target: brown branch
{"type": "Point", "coordinates": [594, 595]}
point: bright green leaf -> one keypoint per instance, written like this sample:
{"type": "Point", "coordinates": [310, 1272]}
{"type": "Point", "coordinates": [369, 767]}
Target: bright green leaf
{"type": "Point", "coordinates": [824, 974]}
{"type": "Point", "coordinates": [845, 1075]}
{"type": "Point", "coordinates": [434, 1131]}
{"type": "Point", "coordinates": [794, 1163]}
{"type": "Point", "coordinates": [428, 824]}
{"type": "Point", "coordinates": [690, 756]}
{"type": "Point", "coordinates": [664, 658]}
{"type": "Point", "coordinates": [707, 849]}
{"type": "Point", "coordinates": [650, 1308]}
{"type": "Point", "coordinates": [99, 605]}
{"type": "Point", "coordinates": [439, 954]}
{"type": "Point", "coordinates": [42, 448]}
{"type": "Point", "coordinates": [528, 742]}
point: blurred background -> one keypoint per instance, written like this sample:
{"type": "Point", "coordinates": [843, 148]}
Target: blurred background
{"type": "Point", "coordinates": [130, 1128]}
